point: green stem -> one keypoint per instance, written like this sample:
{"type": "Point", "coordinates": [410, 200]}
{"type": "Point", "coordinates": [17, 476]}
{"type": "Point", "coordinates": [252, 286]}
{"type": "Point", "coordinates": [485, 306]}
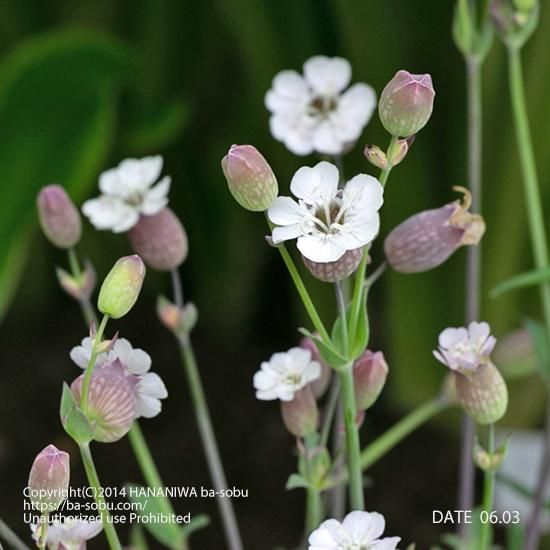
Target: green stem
{"type": "Point", "coordinates": [93, 480]}
{"type": "Point", "coordinates": [353, 450]}
{"type": "Point", "coordinates": [329, 411]}
{"type": "Point", "coordinates": [466, 472]}
{"type": "Point", "coordinates": [314, 511]}
{"type": "Point", "coordinates": [304, 294]}
{"type": "Point", "coordinates": [91, 364]}
{"type": "Point", "coordinates": [538, 242]}
{"type": "Point", "coordinates": [85, 304]}
{"type": "Point", "coordinates": [150, 471]}
{"type": "Point", "coordinates": [488, 492]}
{"type": "Point", "coordinates": [209, 443]}
{"type": "Point", "coordinates": [11, 538]}
{"type": "Point", "coordinates": [404, 427]}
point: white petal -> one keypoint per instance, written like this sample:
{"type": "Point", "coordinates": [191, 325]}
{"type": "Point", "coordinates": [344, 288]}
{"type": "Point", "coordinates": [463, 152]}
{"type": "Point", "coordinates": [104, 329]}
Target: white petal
{"type": "Point", "coordinates": [389, 543]}
{"type": "Point", "coordinates": [81, 354]}
{"type": "Point", "coordinates": [320, 248]}
{"type": "Point", "coordinates": [146, 406]}
{"type": "Point", "coordinates": [317, 185]}
{"type": "Point", "coordinates": [290, 84]}
{"type": "Point", "coordinates": [364, 192]}
{"type": "Point", "coordinates": [325, 139]}
{"type": "Point", "coordinates": [452, 336]}
{"type": "Point", "coordinates": [156, 198]}
{"type": "Point", "coordinates": [108, 212]}
{"type": "Point", "coordinates": [354, 110]}
{"type": "Point", "coordinates": [286, 233]}
{"type": "Point", "coordinates": [327, 76]}
{"type": "Point", "coordinates": [110, 183]}
{"type": "Point", "coordinates": [364, 527]}
{"type": "Point", "coordinates": [130, 219]}
{"type": "Point", "coordinates": [357, 232]}
{"type": "Point", "coordinates": [151, 384]}
{"type": "Point", "coordinates": [139, 174]}
{"type": "Point", "coordinates": [285, 211]}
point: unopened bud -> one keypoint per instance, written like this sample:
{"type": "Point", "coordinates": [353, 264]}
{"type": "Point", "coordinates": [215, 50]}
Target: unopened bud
{"type": "Point", "coordinates": [406, 103]}
{"type": "Point", "coordinates": [250, 178]}
{"type": "Point", "coordinates": [160, 240]}
{"type": "Point", "coordinates": [178, 320]}
{"type": "Point", "coordinates": [59, 217]}
{"type": "Point", "coordinates": [111, 401]}
{"type": "Point", "coordinates": [482, 393]}
{"type": "Point", "coordinates": [49, 479]}
{"type": "Point", "coordinates": [80, 288]}
{"type": "Point", "coordinates": [376, 157]}
{"type": "Point", "coordinates": [398, 151]}
{"type": "Point", "coordinates": [369, 375]}
{"type": "Point", "coordinates": [300, 415]}
{"type": "Point", "coordinates": [331, 272]}
{"type": "Point", "coordinates": [427, 239]}
{"type": "Point", "coordinates": [319, 385]}
{"type": "Point", "coordinates": [120, 289]}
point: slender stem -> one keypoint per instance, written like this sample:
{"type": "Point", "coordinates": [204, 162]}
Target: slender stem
{"type": "Point", "coordinates": [11, 538]}
{"type": "Point", "coordinates": [85, 304]}
{"type": "Point", "coordinates": [329, 411]}
{"type": "Point", "coordinates": [538, 243]}
{"type": "Point", "coordinates": [314, 511]}
{"type": "Point", "coordinates": [91, 364]}
{"type": "Point", "coordinates": [341, 303]}
{"type": "Point", "coordinates": [95, 484]}
{"type": "Point", "coordinates": [210, 446]}
{"type": "Point", "coordinates": [353, 450]}
{"type": "Point", "coordinates": [177, 286]}
{"type": "Point", "coordinates": [488, 492]}
{"type": "Point", "coordinates": [304, 294]}
{"type": "Point", "coordinates": [404, 427]}
{"type": "Point", "coordinates": [466, 473]}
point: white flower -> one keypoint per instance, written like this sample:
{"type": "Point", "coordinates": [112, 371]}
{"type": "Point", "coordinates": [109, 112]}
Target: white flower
{"type": "Point", "coordinates": [285, 373]}
{"type": "Point", "coordinates": [327, 220]}
{"type": "Point", "coordinates": [128, 192]}
{"type": "Point", "coordinates": [465, 349]}
{"type": "Point", "coordinates": [150, 388]}
{"type": "Point", "coordinates": [70, 534]}
{"type": "Point", "coordinates": [313, 112]}
{"type": "Point", "coordinates": [358, 531]}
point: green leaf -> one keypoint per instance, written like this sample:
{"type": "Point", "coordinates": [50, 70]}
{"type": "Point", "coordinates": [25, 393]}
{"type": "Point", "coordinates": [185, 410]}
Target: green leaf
{"type": "Point", "coordinates": [515, 537]}
{"type": "Point", "coordinates": [330, 355]}
{"type": "Point", "coordinates": [463, 28]}
{"type": "Point", "coordinates": [157, 126]}
{"type": "Point", "coordinates": [519, 488]}
{"type": "Point", "coordinates": [170, 534]}
{"type": "Point", "coordinates": [523, 280]}
{"type": "Point", "coordinates": [296, 481]}
{"type": "Point", "coordinates": [73, 419]}
{"type": "Point", "coordinates": [197, 523]}
{"type": "Point", "coordinates": [537, 331]}
{"type": "Point", "coordinates": [57, 123]}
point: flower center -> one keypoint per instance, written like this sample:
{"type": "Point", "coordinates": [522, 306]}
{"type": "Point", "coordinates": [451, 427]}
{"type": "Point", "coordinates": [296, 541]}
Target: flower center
{"type": "Point", "coordinates": [293, 378]}
{"type": "Point", "coordinates": [322, 106]}
{"type": "Point", "coordinates": [329, 217]}
{"type": "Point", "coordinates": [134, 199]}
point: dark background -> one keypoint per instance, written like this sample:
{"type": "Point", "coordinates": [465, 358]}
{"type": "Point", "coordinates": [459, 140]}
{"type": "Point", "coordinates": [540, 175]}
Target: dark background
{"type": "Point", "coordinates": [84, 85]}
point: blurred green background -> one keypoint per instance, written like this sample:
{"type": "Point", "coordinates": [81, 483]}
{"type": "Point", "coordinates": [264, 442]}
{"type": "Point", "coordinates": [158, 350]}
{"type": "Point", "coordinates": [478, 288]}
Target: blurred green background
{"type": "Point", "coordinates": [85, 84]}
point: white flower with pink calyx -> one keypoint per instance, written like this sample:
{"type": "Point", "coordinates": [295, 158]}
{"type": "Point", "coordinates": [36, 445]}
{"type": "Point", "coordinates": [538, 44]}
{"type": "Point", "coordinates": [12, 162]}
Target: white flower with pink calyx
{"type": "Point", "coordinates": [465, 349]}
{"type": "Point", "coordinates": [128, 191]}
{"type": "Point", "coordinates": [315, 112]}
{"type": "Point", "coordinates": [358, 531]}
{"type": "Point", "coordinates": [327, 220]}
{"type": "Point", "coordinates": [150, 388]}
{"type": "Point", "coordinates": [285, 374]}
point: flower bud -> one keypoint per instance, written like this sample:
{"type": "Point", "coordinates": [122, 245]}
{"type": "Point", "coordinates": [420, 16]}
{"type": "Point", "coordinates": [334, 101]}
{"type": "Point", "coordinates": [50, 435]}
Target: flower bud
{"type": "Point", "coordinates": [427, 239]}
{"type": "Point", "coordinates": [482, 393]}
{"type": "Point", "coordinates": [160, 240]}
{"type": "Point", "coordinates": [80, 288]}
{"type": "Point", "coordinates": [376, 157]}
{"type": "Point", "coordinates": [49, 479]}
{"type": "Point", "coordinates": [250, 178]}
{"type": "Point", "coordinates": [59, 217]}
{"type": "Point", "coordinates": [319, 385]}
{"type": "Point", "coordinates": [398, 151]}
{"type": "Point", "coordinates": [180, 321]}
{"type": "Point", "coordinates": [300, 415]}
{"type": "Point", "coordinates": [369, 376]}
{"type": "Point", "coordinates": [331, 272]}
{"type": "Point", "coordinates": [406, 103]}
{"type": "Point", "coordinates": [111, 401]}
{"type": "Point", "coordinates": [121, 287]}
